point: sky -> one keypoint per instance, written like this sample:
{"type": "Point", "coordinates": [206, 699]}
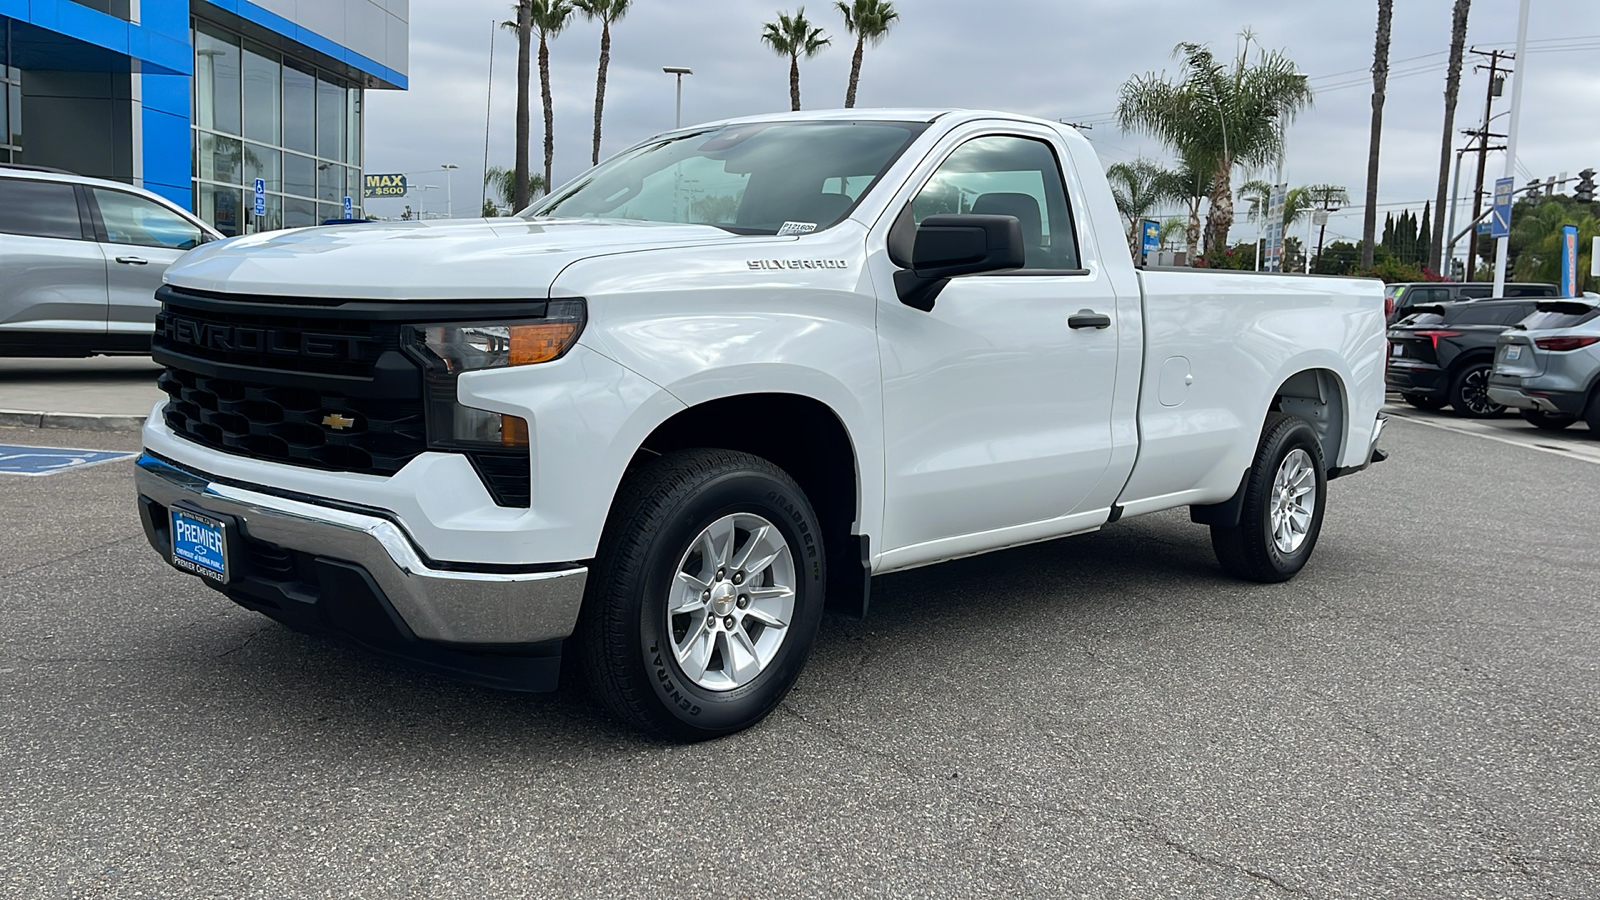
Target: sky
{"type": "Point", "coordinates": [1049, 58]}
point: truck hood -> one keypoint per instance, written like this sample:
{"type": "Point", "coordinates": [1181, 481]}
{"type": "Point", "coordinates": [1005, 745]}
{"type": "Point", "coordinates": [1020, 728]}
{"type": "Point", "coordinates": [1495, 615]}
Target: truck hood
{"type": "Point", "coordinates": [459, 259]}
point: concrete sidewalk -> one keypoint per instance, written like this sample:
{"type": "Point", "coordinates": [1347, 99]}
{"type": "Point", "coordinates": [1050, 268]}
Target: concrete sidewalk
{"type": "Point", "coordinates": [111, 393]}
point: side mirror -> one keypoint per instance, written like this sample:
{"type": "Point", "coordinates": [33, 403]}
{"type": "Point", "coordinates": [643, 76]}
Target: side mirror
{"type": "Point", "coordinates": [946, 247]}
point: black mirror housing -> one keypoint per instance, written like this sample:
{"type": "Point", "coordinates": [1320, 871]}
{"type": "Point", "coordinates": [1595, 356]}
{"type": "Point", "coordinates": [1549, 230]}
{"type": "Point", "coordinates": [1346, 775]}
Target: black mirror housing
{"type": "Point", "coordinates": [948, 247]}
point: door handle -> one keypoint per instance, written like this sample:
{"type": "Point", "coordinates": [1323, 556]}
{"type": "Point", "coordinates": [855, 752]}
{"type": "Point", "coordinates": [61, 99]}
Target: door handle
{"type": "Point", "coordinates": [1088, 318]}
{"type": "Point", "coordinates": [133, 261]}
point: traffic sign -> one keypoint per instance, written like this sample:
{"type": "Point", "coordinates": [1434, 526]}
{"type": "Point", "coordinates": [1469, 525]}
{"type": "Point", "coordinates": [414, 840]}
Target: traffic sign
{"type": "Point", "coordinates": [37, 461]}
{"type": "Point", "coordinates": [349, 208]}
{"type": "Point", "coordinates": [261, 197]}
{"type": "Point", "coordinates": [1500, 216]}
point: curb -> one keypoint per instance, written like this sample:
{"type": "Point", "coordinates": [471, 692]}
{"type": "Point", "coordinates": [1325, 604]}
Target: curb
{"type": "Point", "coordinates": [15, 418]}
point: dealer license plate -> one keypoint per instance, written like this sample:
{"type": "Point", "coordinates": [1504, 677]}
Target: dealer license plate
{"type": "Point", "coordinates": [1513, 353]}
{"type": "Point", "coordinates": [200, 545]}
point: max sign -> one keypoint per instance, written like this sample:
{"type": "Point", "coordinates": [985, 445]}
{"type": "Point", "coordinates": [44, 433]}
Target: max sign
{"type": "Point", "coordinates": [383, 186]}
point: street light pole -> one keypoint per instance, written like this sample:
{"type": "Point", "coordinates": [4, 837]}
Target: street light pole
{"type": "Point", "coordinates": [679, 71]}
{"type": "Point", "coordinates": [449, 190]}
{"type": "Point", "coordinates": [1502, 254]}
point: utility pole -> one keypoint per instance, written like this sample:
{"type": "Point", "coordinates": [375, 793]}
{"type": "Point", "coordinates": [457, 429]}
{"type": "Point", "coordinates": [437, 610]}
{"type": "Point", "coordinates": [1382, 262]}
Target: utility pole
{"type": "Point", "coordinates": [1502, 256]}
{"type": "Point", "coordinates": [1495, 87]}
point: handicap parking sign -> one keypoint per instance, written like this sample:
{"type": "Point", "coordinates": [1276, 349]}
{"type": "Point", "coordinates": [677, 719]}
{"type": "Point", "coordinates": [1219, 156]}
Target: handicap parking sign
{"type": "Point", "coordinates": [36, 461]}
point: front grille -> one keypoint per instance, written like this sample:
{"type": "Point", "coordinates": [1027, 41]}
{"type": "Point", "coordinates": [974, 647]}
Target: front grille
{"type": "Point", "coordinates": [290, 382]}
{"type": "Point", "coordinates": [326, 384]}
{"type": "Point", "coordinates": [287, 424]}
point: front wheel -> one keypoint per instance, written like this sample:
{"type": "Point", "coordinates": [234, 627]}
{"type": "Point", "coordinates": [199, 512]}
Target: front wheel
{"type": "Point", "coordinates": [1469, 392]}
{"type": "Point", "coordinates": [1547, 421]}
{"type": "Point", "coordinates": [705, 596]}
{"type": "Point", "coordinates": [1281, 516]}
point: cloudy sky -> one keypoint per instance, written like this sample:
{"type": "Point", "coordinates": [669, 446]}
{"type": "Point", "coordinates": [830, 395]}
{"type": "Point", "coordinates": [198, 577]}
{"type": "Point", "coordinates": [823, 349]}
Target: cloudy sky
{"type": "Point", "coordinates": [1057, 59]}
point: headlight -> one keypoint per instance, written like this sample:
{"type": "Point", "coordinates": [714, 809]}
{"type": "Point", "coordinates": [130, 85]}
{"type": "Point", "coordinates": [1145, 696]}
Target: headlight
{"type": "Point", "coordinates": [466, 347]}
{"type": "Point", "coordinates": [449, 349]}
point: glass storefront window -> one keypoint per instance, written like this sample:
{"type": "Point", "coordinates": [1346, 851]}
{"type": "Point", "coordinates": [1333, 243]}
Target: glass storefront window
{"type": "Point", "coordinates": [299, 213]}
{"type": "Point", "coordinates": [263, 95]}
{"type": "Point", "coordinates": [330, 119]}
{"type": "Point", "coordinates": [330, 183]}
{"type": "Point", "coordinates": [261, 114]}
{"type": "Point", "coordinates": [299, 175]}
{"type": "Point", "coordinates": [299, 108]}
{"type": "Point", "coordinates": [265, 163]}
{"type": "Point", "coordinates": [220, 158]}
{"type": "Point", "coordinates": [216, 80]}
{"type": "Point", "coordinates": [221, 207]}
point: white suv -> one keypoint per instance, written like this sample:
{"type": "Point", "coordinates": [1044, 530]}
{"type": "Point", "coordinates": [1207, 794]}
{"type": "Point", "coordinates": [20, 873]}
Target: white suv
{"type": "Point", "coordinates": [80, 261]}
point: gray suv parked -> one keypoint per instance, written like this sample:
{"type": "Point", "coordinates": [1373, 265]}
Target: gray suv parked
{"type": "Point", "coordinates": [80, 261]}
{"type": "Point", "coordinates": [1548, 366]}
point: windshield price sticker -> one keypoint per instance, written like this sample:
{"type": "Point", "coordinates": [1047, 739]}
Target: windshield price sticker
{"type": "Point", "coordinates": [793, 228]}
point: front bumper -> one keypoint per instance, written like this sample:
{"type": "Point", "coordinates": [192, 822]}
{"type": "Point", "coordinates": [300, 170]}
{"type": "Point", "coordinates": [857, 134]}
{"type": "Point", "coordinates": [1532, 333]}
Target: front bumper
{"type": "Point", "coordinates": [358, 574]}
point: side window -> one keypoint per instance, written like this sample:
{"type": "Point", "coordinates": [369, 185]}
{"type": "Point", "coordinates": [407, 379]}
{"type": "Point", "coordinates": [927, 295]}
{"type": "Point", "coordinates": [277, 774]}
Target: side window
{"type": "Point", "coordinates": [1007, 176]}
{"type": "Point", "coordinates": [1476, 293]}
{"type": "Point", "coordinates": [47, 209]}
{"type": "Point", "coordinates": [130, 219]}
{"type": "Point", "coordinates": [1427, 295]}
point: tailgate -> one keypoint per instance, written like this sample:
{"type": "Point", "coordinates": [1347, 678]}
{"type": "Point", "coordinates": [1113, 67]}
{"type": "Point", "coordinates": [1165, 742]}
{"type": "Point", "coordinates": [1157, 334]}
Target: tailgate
{"type": "Point", "coordinates": [1516, 355]}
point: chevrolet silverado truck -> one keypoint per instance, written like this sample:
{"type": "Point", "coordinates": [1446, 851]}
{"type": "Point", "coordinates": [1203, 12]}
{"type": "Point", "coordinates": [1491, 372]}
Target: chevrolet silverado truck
{"type": "Point", "coordinates": [664, 419]}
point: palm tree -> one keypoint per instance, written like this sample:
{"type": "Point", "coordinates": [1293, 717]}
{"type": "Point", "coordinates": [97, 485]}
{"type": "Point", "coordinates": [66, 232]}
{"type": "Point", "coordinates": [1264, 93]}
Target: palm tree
{"type": "Point", "coordinates": [794, 36]}
{"type": "Point", "coordinates": [550, 18]}
{"type": "Point", "coordinates": [608, 12]}
{"type": "Point", "coordinates": [1452, 90]}
{"type": "Point", "coordinates": [524, 26]}
{"type": "Point", "coordinates": [1380, 86]}
{"type": "Point", "coordinates": [502, 185]}
{"type": "Point", "coordinates": [869, 21]}
{"type": "Point", "coordinates": [1195, 183]}
{"type": "Point", "coordinates": [1140, 187]}
{"type": "Point", "coordinates": [1218, 117]}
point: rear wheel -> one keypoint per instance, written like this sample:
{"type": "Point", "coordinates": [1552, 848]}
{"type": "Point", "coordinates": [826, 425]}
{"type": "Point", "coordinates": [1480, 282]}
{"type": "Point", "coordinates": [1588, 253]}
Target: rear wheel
{"type": "Point", "coordinates": [1592, 416]}
{"type": "Point", "coordinates": [1281, 515]}
{"type": "Point", "coordinates": [1469, 392]}
{"type": "Point", "coordinates": [705, 596]}
{"type": "Point", "coordinates": [1547, 421]}
{"type": "Point", "coordinates": [1425, 401]}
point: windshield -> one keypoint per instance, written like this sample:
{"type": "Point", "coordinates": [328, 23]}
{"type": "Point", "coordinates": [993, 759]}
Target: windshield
{"type": "Point", "coordinates": [765, 178]}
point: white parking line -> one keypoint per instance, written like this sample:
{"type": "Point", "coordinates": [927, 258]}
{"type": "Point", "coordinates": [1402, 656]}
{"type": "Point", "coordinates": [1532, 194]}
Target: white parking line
{"type": "Point", "coordinates": [1550, 444]}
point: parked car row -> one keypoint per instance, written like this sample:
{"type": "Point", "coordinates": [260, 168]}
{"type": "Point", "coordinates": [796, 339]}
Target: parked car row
{"type": "Point", "coordinates": [1402, 298]}
{"type": "Point", "coordinates": [1540, 357]}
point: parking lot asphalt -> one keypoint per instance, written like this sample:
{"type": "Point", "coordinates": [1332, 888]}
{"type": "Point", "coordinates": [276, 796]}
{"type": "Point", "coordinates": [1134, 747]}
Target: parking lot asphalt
{"type": "Point", "coordinates": [1417, 715]}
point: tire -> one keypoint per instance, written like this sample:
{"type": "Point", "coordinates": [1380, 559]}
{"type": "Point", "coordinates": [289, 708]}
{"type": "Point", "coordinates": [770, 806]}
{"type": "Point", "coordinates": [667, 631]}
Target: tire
{"type": "Point", "coordinates": [1469, 392]}
{"type": "Point", "coordinates": [1546, 421]}
{"type": "Point", "coordinates": [1251, 549]}
{"type": "Point", "coordinates": [1425, 401]}
{"type": "Point", "coordinates": [675, 536]}
{"type": "Point", "coordinates": [1591, 416]}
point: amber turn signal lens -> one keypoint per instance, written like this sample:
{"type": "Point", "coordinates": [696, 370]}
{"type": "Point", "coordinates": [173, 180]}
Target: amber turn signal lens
{"type": "Point", "coordinates": [541, 343]}
{"type": "Point", "coordinates": [514, 431]}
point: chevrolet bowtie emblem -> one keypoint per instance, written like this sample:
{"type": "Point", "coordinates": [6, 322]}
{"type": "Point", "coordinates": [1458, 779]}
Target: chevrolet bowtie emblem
{"type": "Point", "coordinates": [337, 422]}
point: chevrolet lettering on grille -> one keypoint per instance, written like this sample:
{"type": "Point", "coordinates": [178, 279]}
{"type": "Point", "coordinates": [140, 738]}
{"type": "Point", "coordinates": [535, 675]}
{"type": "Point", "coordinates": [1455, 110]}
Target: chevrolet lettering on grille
{"type": "Point", "coordinates": [264, 341]}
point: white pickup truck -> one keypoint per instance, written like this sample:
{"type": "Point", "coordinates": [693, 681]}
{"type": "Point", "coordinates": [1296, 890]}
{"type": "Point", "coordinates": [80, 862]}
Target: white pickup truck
{"type": "Point", "coordinates": [715, 385]}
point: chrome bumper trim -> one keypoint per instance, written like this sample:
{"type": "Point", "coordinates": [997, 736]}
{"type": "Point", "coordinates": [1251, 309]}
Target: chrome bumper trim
{"type": "Point", "coordinates": [457, 607]}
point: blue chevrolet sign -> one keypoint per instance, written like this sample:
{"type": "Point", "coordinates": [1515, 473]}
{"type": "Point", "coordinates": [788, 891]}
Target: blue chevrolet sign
{"type": "Point", "coordinates": [36, 461]}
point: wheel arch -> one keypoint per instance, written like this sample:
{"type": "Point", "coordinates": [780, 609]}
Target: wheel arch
{"type": "Point", "coordinates": [1320, 396]}
{"type": "Point", "coordinates": [814, 446]}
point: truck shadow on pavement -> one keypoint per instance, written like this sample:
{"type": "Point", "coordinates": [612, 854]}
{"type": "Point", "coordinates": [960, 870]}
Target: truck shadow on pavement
{"type": "Point", "coordinates": [1153, 569]}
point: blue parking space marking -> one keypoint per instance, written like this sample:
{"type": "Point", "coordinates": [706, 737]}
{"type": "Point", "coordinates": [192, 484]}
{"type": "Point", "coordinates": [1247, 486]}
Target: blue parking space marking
{"type": "Point", "coordinates": [36, 461]}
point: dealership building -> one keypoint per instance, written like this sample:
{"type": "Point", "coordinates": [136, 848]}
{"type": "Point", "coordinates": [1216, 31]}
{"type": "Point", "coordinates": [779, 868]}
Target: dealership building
{"type": "Point", "coordinates": [198, 100]}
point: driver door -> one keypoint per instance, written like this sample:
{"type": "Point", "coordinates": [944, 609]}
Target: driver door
{"type": "Point", "coordinates": [997, 408]}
